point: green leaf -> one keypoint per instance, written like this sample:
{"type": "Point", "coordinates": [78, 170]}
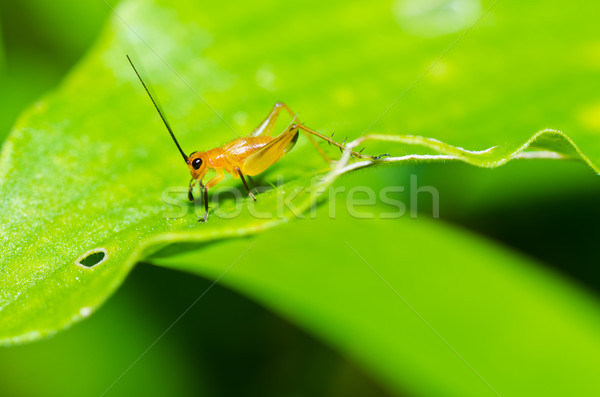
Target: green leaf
{"type": "Point", "coordinates": [2, 50]}
{"type": "Point", "coordinates": [547, 144]}
{"type": "Point", "coordinates": [38, 47]}
{"type": "Point", "coordinates": [430, 309]}
{"type": "Point", "coordinates": [86, 169]}
{"type": "Point", "coordinates": [89, 358]}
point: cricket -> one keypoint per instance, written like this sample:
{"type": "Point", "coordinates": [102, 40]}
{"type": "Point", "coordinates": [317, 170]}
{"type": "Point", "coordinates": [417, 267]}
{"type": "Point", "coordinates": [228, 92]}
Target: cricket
{"type": "Point", "coordinates": [249, 155]}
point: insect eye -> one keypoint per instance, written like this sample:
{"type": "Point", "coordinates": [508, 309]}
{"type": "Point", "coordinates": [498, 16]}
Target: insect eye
{"type": "Point", "coordinates": [196, 163]}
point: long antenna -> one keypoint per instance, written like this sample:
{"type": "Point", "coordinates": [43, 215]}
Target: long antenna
{"type": "Point", "coordinates": [158, 110]}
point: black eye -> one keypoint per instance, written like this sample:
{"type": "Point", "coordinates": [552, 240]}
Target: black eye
{"type": "Point", "coordinates": [196, 163]}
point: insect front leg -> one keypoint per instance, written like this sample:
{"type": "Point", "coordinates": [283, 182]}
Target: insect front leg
{"type": "Point", "coordinates": [212, 182]}
{"type": "Point", "coordinates": [191, 190]}
{"type": "Point", "coordinates": [205, 191]}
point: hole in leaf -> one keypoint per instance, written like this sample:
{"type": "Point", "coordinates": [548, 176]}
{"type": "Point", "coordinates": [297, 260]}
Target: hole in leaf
{"type": "Point", "coordinates": [92, 258]}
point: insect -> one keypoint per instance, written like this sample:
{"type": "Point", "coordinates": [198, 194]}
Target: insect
{"type": "Point", "coordinates": [246, 156]}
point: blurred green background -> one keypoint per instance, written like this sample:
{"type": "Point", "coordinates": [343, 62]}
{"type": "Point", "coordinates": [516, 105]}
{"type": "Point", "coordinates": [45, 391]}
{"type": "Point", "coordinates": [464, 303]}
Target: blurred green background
{"type": "Point", "coordinates": [229, 345]}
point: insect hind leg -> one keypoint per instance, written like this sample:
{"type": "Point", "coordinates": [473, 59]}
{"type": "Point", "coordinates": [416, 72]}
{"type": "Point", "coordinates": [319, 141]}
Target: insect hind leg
{"type": "Point", "coordinates": [268, 124]}
{"type": "Point", "coordinates": [341, 146]}
{"type": "Point", "coordinates": [315, 143]}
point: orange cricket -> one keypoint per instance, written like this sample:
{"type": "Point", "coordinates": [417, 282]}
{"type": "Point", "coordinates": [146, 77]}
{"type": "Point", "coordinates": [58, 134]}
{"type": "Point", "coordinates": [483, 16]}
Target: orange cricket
{"type": "Point", "coordinates": [249, 155]}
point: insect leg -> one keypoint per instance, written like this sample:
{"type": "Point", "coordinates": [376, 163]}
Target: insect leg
{"type": "Point", "coordinates": [245, 184]}
{"type": "Point", "coordinates": [266, 127]}
{"type": "Point", "coordinates": [316, 145]}
{"type": "Point", "coordinates": [191, 190]}
{"type": "Point", "coordinates": [269, 154]}
{"type": "Point", "coordinates": [341, 146]}
{"type": "Point", "coordinates": [205, 190]}
{"type": "Point", "coordinates": [215, 179]}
